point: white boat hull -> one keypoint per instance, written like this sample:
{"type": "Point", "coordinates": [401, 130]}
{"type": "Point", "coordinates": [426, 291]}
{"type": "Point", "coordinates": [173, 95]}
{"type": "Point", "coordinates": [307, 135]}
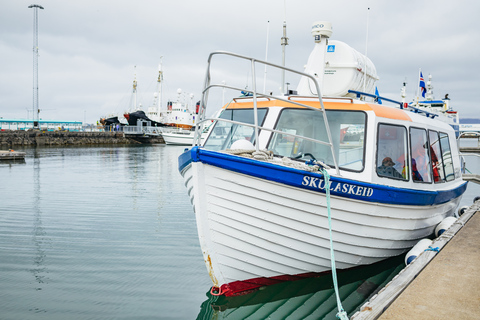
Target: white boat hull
{"type": "Point", "coordinates": [250, 228]}
{"type": "Point", "coordinates": [185, 139]}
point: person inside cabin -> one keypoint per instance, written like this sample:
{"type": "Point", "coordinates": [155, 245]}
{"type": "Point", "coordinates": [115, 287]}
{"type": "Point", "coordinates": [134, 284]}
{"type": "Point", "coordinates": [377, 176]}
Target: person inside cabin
{"type": "Point", "coordinates": [422, 162]}
{"type": "Point", "coordinates": [416, 176]}
{"type": "Point", "coordinates": [435, 165]}
{"type": "Point", "coordinates": [387, 169]}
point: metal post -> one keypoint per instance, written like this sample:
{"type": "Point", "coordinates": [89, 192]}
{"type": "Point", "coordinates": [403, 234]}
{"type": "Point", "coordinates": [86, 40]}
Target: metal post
{"type": "Point", "coordinates": [284, 43]}
{"type": "Point", "coordinates": [35, 64]}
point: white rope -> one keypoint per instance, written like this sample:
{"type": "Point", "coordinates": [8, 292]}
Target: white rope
{"type": "Point", "coordinates": [267, 155]}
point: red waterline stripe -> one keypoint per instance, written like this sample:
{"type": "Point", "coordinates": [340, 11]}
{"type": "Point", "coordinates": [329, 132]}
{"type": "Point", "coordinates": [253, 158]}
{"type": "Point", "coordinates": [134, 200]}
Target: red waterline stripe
{"type": "Point", "coordinates": [246, 286]}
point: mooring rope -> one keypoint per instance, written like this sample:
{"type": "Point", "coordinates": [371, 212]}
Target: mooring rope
{"type": "Point", "coordinates": [267, 155]}
{"type": "Point", "coordinates": [312, 166]}
{"type": "Point", "coordinates": [342, 315]}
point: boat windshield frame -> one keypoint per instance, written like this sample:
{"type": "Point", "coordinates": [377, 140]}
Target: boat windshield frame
{"type": "Point", "coordinates": [255, 95]}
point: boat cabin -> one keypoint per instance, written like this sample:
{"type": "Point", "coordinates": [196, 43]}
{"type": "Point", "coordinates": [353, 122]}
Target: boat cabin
{"type": "Point", "coordinates": [371, 142]}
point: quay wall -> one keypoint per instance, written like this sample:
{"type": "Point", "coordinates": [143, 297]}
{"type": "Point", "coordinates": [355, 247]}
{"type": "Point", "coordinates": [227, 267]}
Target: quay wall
{"type": "Point", "coordinates": [61, 138]}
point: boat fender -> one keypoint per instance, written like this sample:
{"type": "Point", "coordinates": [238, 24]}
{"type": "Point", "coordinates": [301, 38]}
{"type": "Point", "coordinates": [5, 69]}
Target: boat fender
{"type": "Point", "coordinates": [421, 246]}
{"type": "Point", "coordinates": [242, 145]}
{"type": "Point", "coordinates": [461, 211]}
{"type": "Point", "coordinates": [444, 225]}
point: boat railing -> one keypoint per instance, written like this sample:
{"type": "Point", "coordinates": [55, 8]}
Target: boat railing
{"type": "Point", "coordinates": [136, 130]}
{"type": "Point", "coordinates": [255, 95]}
{"type": "Point", "coordinates": [324, 98]}
{"type": "Point", "coordinates": [401, 104]}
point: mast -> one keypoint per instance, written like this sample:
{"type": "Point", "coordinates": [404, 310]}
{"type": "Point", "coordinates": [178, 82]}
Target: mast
{"type": "Point", "coordinates": [366, 47]}
{"type": "Point", "coordinates": [266, 56]}
{"type": "Point", "coordinates": [284, 43]}
{"type": "Point", "coordinates": [404, 93]}
{"type": "Point", "coordinates": [135, 88]}
{"type": "Point", "coordinates": [429, 94]}
{"type": "Point", "coordinates": [36, 111]}
{"type": "Point", "coordinates": [159, 84]}
{"type": "Point", "coordinates": [417, 92]}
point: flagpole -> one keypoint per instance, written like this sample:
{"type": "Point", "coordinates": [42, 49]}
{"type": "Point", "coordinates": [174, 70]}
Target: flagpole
{"type": "Point", "coordinates": [418, 87]}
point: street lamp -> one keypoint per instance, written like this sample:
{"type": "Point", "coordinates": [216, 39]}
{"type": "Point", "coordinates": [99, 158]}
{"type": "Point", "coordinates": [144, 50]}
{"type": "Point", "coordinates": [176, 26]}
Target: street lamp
{"type": "Point", "coordinates": [35, 63]}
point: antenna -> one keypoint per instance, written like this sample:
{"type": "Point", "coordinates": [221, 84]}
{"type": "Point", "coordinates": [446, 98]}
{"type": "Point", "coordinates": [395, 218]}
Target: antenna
{"type": "Point", "coordinates": [159, 81]}
{"type": "Point", "coordinates": [36, 111]}
{"type": "Point", "coordinates": [404, 92]}
{"type": "Point", "coordinates": [366, 47]}
{"type": "Point", "coordinates": [266, 56]}
{"type": "Point", "coordinates": [135, 88]}
{"type": "Point", "coordinates": [284, 43]}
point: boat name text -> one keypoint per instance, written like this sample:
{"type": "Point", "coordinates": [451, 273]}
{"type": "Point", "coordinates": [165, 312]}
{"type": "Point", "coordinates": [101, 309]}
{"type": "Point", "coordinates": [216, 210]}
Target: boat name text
{"type": "Point", "coordinates": [337, 187]}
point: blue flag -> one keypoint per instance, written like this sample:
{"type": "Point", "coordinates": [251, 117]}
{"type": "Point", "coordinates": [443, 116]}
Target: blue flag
{"type": "Point", "coordinates": [423, 89]}
{"type": "Point", "coordinates": [379, 101]}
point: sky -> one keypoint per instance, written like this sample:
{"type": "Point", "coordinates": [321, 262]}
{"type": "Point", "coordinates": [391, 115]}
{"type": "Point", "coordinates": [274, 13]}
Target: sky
{"type": "Point", "coordinates": [89, 51]}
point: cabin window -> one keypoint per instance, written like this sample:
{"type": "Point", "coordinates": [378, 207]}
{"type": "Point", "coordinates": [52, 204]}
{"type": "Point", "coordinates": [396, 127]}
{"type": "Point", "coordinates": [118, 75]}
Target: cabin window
{"type": "Point", "coordinates": [392, 152]}
{"type": "Point", "coordinates": [436, 156]}
{"type": "Point", "coordinates": [420, 166]}
{"type": "Point", "coordinates": [447, 157]}
{"type": "Point", "coordinates": [347, 130]}
{"type": "Point", "coordinates": [442, 165]}
{"type": "Point", "coordinates": [225, 133]}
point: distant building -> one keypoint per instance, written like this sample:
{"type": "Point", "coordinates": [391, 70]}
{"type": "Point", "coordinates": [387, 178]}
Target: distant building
{"type": "Point", "coordinates": [472, 127]}
{"type": "Point", "coordinates": [45, 125]}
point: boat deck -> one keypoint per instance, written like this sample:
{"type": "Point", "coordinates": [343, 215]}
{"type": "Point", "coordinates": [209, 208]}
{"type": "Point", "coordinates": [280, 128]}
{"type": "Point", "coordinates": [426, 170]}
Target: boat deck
{"type": "Point", "coordinates": [443, 285]}
{"type": "Point", "coordinates": [11, 155]}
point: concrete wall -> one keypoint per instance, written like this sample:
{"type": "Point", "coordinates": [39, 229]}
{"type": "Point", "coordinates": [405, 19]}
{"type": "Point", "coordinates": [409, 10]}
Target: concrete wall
{"type": "Point", "coordinates": [57, 138]}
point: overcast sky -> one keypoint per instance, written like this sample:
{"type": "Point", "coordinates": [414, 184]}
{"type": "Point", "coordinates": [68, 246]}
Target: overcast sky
{"type": "Point", "coordinates": [88, 49]}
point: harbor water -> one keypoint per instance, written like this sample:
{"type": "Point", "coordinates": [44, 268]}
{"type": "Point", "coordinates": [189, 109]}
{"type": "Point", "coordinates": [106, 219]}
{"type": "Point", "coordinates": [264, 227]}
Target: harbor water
{"type": "Point", "coordinates": [108, 232]}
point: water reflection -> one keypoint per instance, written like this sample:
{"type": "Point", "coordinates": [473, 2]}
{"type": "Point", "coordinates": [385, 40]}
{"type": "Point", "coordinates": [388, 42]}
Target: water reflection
{"type": "Point", "coordinates": [303, 299]}
{"type": "Point", "coordinates": [39, 269]}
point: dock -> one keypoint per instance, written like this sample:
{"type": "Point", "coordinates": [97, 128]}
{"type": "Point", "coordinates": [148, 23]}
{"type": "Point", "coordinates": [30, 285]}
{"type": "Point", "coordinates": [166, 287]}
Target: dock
{"type": "Point", "coordinates": [12, 155]}
{"type": "Point", "coordinates": [436, 285]}
{"type": "Point", "coordinates": [470, 135]}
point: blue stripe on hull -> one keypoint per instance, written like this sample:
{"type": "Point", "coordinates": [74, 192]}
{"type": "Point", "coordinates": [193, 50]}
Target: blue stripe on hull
{"type": "Point", "coordinates": [312, 181]}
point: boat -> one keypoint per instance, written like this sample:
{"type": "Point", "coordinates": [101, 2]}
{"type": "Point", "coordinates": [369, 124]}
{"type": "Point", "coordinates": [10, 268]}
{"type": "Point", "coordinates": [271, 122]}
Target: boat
{"type": "Point", "coordinates": [12, 155]}
{"type": "Point", "coordinates": [178, 114]}
{"type": "Point", "coordinates": [310, 298]}
{"type": "Point", "coordinates": [111, 120]}
{"type": "Point", "coordinates": [139, 115]}
{"type": "Point", "coordinates": [178, 136]}
{"type": "Point", "coordinates": [278, 189]}
{"type": "Point", "coordinates": [431, 107]}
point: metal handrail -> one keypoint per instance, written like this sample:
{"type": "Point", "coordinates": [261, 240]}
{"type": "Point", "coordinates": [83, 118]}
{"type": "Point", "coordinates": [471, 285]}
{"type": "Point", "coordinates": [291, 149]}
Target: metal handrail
{"type": "Point", "coordinates": [253, 61]}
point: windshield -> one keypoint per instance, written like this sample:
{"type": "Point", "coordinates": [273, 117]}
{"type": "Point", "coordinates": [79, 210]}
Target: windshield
{"type": "Point", "coordinates": [348, 135]}
{"type": "Point", "coordinates": [225, 133]}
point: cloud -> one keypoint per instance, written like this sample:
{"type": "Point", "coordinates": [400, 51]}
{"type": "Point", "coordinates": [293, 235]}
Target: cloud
{"type": "Point", "coordinates": [88, 49]}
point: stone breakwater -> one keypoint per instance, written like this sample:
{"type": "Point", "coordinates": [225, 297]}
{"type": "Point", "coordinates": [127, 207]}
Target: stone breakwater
{"type": "Point", "coordinates": [62, 138]}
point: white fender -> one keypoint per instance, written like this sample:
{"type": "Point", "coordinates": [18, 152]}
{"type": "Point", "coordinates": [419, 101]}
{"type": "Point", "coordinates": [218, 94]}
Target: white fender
{"type": "Point", "coordinates": [444, 225]}
{"type": "Point", "coordinates": [417, 249]}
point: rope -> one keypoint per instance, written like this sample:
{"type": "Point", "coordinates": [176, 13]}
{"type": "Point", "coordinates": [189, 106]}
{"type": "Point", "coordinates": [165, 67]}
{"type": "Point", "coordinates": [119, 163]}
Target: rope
{"type": "Point", "coordinates": [436, 249]}
{"type": "Point", "coordinates": [312, 166]}
{"type": "Point", "coordinates": [342, 315]}
{"type": "Point", "coordinates": [267, 155]}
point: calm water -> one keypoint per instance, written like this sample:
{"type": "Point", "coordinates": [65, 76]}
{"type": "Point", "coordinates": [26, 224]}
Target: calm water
{"type": "Point", "coordinates": [98, 233]}
{"type": "Point", "coordinates": [109, 233]}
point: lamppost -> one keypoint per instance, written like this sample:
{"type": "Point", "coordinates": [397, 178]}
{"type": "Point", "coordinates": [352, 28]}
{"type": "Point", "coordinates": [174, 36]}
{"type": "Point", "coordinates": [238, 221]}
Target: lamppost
{"type": "Point", "coordinates": [35, 63]}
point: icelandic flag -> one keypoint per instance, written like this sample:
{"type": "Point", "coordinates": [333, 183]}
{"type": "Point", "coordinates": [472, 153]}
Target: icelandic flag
{"type": "Point", "coordinates": [423, 89]}
{"type": "Point", "coordinates": [379, 101]}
